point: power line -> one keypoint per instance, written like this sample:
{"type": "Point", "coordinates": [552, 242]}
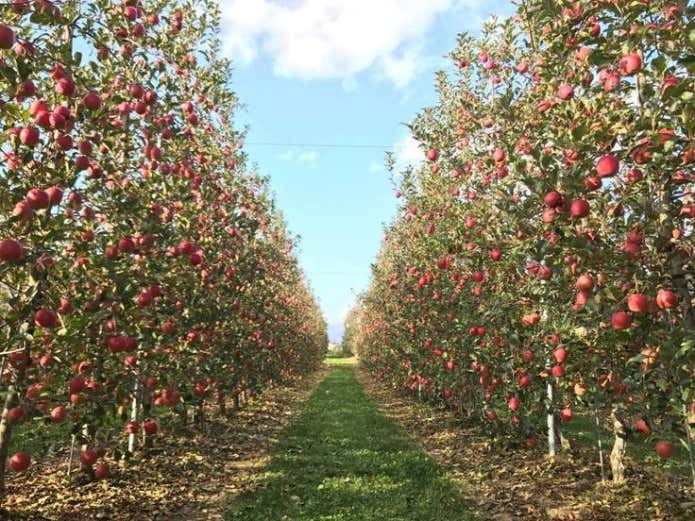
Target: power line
{"type": "Point", "coordinates": [317, 145]}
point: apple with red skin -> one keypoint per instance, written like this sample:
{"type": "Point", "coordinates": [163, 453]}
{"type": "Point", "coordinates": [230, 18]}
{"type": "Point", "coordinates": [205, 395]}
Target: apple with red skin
{"type": "Point", "coordinates": [565, 92]}
{"type": "Point", "coordinates": [101, 471]}
{"type": "Point", "coordinates": [6, 37]}
{"type": "Point", "coordinates": [666, 299]}
{"type": "Point", "coordinates": [565, 414]}
{"type": "Point", "coordinates": [92, 101]}
{"type": "Point", "coordinates": [11, 251]}
{"type": "Point", "coordinates": [630, 63]}
{"type": "Point", "coordinates": [553, 199]}
{"type": "Point", "coordinates": [150, 427]}
{"type": "Point", "coordinates": [558, 371]}
{"type": "Point", "coordinates": [16, 414]}
{"type": "Point", "coordinates": [58, 414]}
{"type": "Point", "coordinates": [514, 403]}
{"type": "Point", "coordinates": [20, 461]}
{"type": "Point", "coordinates": [38, 199]}
{"type": "Point", "coordinates": [607, 166]}
{"type": "Point", "coordinates": [432, 154]}
{"type": "Point", "coordinates": [642, 426]}
{"type": "Point", "coordinates": [499, 155]}
{"type": "Point", "coordinates": [665, 449]}
{"type": "Point", "coordinates": [126, 245]}
{"type": "Point", "coordinates": [55, 195]}
{"type": "Point", "coordinates": [638, 303]}
{"type": "Point", "coordinates": [76, 385]}
{"type": "Point", "coordinates": [89, 457]}
{"type": "Point", "coordinates": [131, 427]}
{"type": "Point", "coordinates": [621, 320]}
{"type": "Point", "coordinates": [579, 208]}
{"type": "Point", "coordinates": [560, 354]}
{"type": "Point", "coordinates": [495, 254]}
{"type": "Point", "coordinates": [45, 317]}
{"type": "Point", "coordinates": [585, 282]}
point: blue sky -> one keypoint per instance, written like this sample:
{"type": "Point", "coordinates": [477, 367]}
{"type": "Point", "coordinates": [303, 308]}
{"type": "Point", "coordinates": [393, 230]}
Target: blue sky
{"type": "Point", "coordinates": [338, 72]}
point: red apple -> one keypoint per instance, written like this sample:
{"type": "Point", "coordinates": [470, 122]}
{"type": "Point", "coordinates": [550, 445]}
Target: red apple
{"type": "Point", "coordinates": [565, 92]}
{"type": "Point", "coordinates": [630, 63]}
{"type": "Point", "coordinates": [29, 136]}
{"type": "Point", "coordinates": [579, 208]}
{"type": "Point", "coordinates": [432, 155]}
{"type": "Point", "coordinates": [150, 427]}
{"type": "Point", "coordinates": [621, 320]}
{"type": "Point", "coordinates": [560, 354]}
{"type": "Point", "coordinates": [665, 449]}
{"type": "Point", "coordinates": [607, 166]}
{"type": "Point", "coordinates": [585, 282]}
{"type": "Point", "coordinates": [642, 426]}
{"type": "Point", "coordinates": [566, 414]}
{"type": "Point", "coordinates": [638, 303]}
{"type": "Point", "coordinates": [76, 384]}
{"type": "Point", "coordinates": [20, 461]}
{"type": "Point", "coordinates": [16, 414]}
{"type": "Point", "coordinates": [11, 250]}
{"type": "Point", "coordinates": [89, 457]}
{"type": "Point", "coordinates": [514, 403]}
{"type": "Point", "coordinates": [92, 101]}
{"type": "Point", "coordinates": [126, 245]}
{"type": "Point", "coordinates": [38, 199]}
{"type": "Point", "coordinates": [6, 37]}
{"type": "Point", "coordinates": [101, 471]}
{"type": "Point", "coordinates": [44, 317]}
{"type": "Point", "coordinates": [666, 299]}
{"type": "Point", "coordinates": [553, 199]}
{"type": "Point", "coordinates": [58, 414]}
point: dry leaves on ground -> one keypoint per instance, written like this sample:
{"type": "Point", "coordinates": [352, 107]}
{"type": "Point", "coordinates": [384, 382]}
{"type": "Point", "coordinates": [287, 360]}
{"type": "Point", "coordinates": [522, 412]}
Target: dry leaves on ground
{"type": "Point", "coordinates": [191, 477]}
{"type": "Point", "coordinates": [526, 485]}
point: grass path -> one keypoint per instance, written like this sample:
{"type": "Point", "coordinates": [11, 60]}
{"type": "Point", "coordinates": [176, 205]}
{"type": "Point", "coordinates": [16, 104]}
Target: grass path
{"type": "Point", "coordinates": [343, 460]}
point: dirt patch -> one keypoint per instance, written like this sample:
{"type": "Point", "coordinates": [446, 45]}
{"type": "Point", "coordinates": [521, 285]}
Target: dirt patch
{"type": "Point", "coordinates": [191, 476]}
{"type": "Point", "coordinates": [524, 483]}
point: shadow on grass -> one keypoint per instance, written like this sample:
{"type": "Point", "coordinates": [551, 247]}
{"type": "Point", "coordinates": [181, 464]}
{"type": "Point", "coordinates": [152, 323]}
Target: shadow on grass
{"type": "Point", "coordinates": [343, 460]}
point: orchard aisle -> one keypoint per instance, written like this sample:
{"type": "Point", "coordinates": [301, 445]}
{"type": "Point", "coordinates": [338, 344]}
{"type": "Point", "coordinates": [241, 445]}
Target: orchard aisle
{"type": "Point", "coordinates": [344, 460]}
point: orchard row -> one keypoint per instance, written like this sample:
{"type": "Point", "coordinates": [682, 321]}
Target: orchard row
{"type": "Point", "coordinates": [541, 264]}
{"type": "Point", "coordinates": [143, 265]}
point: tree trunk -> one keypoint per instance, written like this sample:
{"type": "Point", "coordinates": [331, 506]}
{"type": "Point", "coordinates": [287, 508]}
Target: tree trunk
{"type": "Point", "coordinates": [221, 404]}
{"type": "Point", "coordinates": [5, 435]}
{"type": "Point", "coordinates": [618, 452]}
{"type": "Point", "coordinates": [550, 419]}
{"type": "Point", "coordinates": [198, 413]}
{"type": "Point", "coordinates": [134, 410]}
{"type": "Point", "coordinates": [599, 444]}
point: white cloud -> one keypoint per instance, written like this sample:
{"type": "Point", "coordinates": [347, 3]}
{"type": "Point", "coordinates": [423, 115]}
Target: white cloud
{"type": "Point", "coordinates": [407, 152]}
{"type": "Point", "coordinates": [287, 155]}
{"type": "Point", "coordinates": [308, 157]}
{"type": "Point", "coordinates": [375, 168]}
{"type": "Point", "coordinates": [312, 39]}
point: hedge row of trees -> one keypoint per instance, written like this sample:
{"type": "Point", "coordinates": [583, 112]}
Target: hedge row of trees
{"type": "Point", "coordinates": [143, 265]}
{"type": "Point", "coordinates": [541, 262]}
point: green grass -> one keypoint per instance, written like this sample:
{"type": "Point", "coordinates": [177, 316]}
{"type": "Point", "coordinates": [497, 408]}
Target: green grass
{"type": "Point", "coordinates": [332, 355]}
{"type": "Point", "coordinates": [341, 361]}
{"type": "Point", "coordinates": [343, 460]}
